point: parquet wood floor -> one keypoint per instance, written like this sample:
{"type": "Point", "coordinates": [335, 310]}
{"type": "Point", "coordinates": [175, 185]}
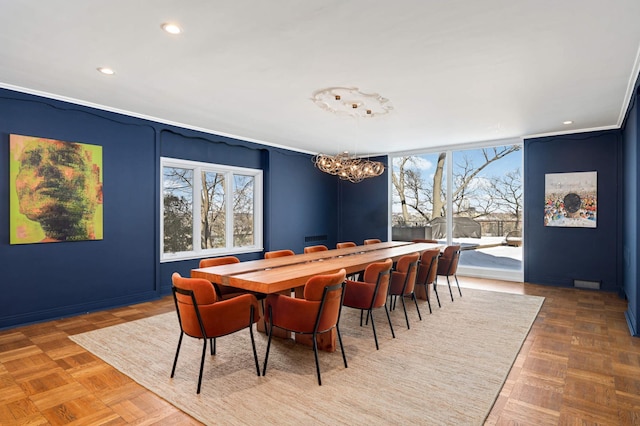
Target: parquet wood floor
{"type": "Point", "coordinates": [578, 366]}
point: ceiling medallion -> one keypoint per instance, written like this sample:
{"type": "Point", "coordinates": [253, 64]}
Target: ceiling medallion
{"type": "Point", "coordinates": [350, 101]}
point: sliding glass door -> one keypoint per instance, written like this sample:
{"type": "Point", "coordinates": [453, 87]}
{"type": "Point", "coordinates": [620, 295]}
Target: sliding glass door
{"type": "Point", "coordinates": [470, 197]}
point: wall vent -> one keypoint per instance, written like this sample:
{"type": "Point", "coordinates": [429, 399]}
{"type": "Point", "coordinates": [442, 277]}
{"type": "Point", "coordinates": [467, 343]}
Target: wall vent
{"type": "Point", "coordinates": [311, 238]}
{"type": "Point", "coordinates": [591, 285]}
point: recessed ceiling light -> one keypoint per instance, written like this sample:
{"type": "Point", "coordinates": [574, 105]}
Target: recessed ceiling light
{"type": "Point", "coordinates": [106, 70]}
{"type": "Point", "coordinates": [171, 28]}
{"type": "Point", "coordinates": [567, 122]}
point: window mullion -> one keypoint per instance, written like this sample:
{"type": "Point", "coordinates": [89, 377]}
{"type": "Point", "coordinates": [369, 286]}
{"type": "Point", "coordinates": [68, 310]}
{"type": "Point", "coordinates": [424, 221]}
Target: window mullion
{"type": "Point", "coordinates": [229, 208]}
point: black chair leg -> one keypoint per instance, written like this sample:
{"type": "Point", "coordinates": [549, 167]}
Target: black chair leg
{"type": "Point", "coordinates": [266, 356]}
{"type": "Point", "coordinates": [253, 342]}
{"type": "Point", "coordinates": [389, 319]}
{"type": "Point", "coordinates": [213, 345]}
{"type": "Point", "coordinates": [435, 290]}
{"type": "Point", "coordinates": [373, 325]}
{"type": "Point", "coordinates": [175, 360]}
{"type": "Point", "coordinates": [415, 300]}
{"type": "Point", "coordinates": [449, 284]}
{"type": "Point", "coordinates": [204, 351]}
{"type": "Point", "coordinates": [459, 291]}
{"type": "Point", "coordinates": [344, 358]}
{"type": "Point", "coordinates": [404, 308]}
{"type": "Point", "coordinates": [315, 354]}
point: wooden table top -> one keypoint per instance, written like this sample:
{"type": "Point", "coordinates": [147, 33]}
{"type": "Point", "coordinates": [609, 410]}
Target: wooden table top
{"type": "Point", "coordinates": [282, 273]}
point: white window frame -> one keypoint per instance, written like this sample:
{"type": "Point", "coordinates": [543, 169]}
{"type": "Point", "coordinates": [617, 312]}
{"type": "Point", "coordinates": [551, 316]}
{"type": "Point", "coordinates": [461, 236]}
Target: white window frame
{"type": "Point", "coordinates": [229, 172]}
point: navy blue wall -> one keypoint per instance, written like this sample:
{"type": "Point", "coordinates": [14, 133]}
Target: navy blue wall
{"type": "Point", "coordinates": [46, 281]}
{"type": "Point", "coordinates": [364, 208]}
{"type": "Point", "coordinates": [555, 255]}
{"type": "Point", "coordinates": [631, 215]}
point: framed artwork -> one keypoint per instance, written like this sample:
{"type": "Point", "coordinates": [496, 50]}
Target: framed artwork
{"type": "Point", "coordinates": [55, 190]}
{"type": "Point", "coordinates": [571, 199]}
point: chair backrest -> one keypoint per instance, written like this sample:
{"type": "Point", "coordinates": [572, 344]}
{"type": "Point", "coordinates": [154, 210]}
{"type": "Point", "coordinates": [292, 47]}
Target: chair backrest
{"type": "Point", "coordinates": [329, 291]}
{"type": "Point", "coordinates": [372, 241]}
{"type": "Point", "coordinates": [422, 240]}
{"type": "Point", "coordinates": [428, 267]}
{"type": "Point", "coordinates": [403, 279]}
{"type": "Point", "coordinates": [216, 261]}
{"type": "Point", "coordinates": [346, 244]}
{"type": "Point", "coordinates": [188, 295]}
{"type": "Point", "coordinates": [380, 274]}
{"type": "Point", "coordinates": [278, 253]}
{"type": "Point", "coordinates": [313, 249]}
{"type": "Point", "coordinates": [448, 262]}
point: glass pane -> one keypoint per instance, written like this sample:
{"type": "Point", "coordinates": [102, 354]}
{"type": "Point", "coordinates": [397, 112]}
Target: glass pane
{"type": "Point", "coordinates": [243, 211]}
{"type": "Point", "coordinates": [487, 206]}
{"type": "Point", "coordinates": [419, 185]}
{"type": "Point", "coordinates": [213, 215]}
{"type": "Point", "coordinates": [178, 209]}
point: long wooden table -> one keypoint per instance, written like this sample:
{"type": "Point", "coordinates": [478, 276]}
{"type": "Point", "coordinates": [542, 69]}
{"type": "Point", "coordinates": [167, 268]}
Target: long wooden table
{"type": "Point", "coordinates": [280, 275]}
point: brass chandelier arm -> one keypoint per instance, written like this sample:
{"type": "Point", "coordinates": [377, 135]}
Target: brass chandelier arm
{"type": "Point", "coordinates": [347, 167]}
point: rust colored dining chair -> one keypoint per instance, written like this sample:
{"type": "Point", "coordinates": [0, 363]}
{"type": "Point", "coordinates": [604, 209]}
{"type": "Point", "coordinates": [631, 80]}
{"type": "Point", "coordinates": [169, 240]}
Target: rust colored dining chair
{"type": "Point", "coordinates": [371, 293]}
{"type": "Point", "coordinates": [223, 291]}
{"type": "Point", "coordinates": [313, 249]}
{"type": "Point", "coordinates": [202, 316]}
{"type": "Point", "coordinates": [427, 272]}
{"type": "Point", "coordinates": [448, 266]}
{"type": "Point", "coordinates": [372, 241]}
{"type": "Point", "coordinates": [278, 253]}
{"type": "Point", "coordinates": [346, 244]}
{"type": "Point", "coordinates": [317, 313]}
{"type": "Point", "coordinates": [403, 282]}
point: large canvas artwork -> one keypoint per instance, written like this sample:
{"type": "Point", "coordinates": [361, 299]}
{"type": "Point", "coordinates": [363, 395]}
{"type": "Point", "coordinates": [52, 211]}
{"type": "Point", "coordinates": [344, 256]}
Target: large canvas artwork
{"type": "Point", "coordinates": [571, 199]}
{"type": "Point", "coordinates": [55, 190]}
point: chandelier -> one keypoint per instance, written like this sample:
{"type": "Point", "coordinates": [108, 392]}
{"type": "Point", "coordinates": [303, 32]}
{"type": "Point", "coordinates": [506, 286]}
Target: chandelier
{"type": "Point", "coordinates": [350, 101]}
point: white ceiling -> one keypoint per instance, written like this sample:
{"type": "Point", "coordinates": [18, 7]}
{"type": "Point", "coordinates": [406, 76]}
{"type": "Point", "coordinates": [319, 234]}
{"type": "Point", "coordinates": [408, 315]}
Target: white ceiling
{"type": "Point", "coordinates": [455, 71]}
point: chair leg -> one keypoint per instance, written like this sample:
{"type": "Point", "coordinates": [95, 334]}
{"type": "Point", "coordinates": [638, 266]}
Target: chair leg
{"type": "Point", "coordinates": [266, 356]}
{"type": "Point", "coordinates": [404, 308]}
{"type": "Point", "coordinates": [362, 312]}
{"type": "Point", "coordinates": [459, 291]}
{"type": "Point", "coordinates": [315, 354]}
{"type": "Point", "coordinates": [389, 319]}
{"type": "Point", "coordinates": [204, 351]}
{"type": "Point", "coordinates": [344, 358]}
{"type": "Point", "coordinates": [213, 345]}
{"type": "Point", "coordinates": [415, 300]}
{"type": "Point", "coordinates": [373, 325]}
{"type": "Point", "coordinates": [426, 291]}
{"type": "Point", "coordinates": [449, 284]}
{"type": "Point", "coordinates": [435, 290]}
{"type": "Point", "coordinates": [175, 360]}
{"type": "Point", "coordinates": [253, 342]}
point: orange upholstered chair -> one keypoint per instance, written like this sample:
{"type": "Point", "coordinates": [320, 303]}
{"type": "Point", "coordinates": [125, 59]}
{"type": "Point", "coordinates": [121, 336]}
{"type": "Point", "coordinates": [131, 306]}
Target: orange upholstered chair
{"type": "Point", "coordinates": [371, 293]}
{"type": "Point", "coordinates": [313, 249]}
{"type": "Point", "coordinates": [346, 244]}
{"type": "Point", "coordinates": [403, 282]}
{"type": "Point", "coordinates": [427, 272]}
{"type": "Point", "coordinates": [317, 313]}
{"type": "Point", "coordinates": [448, 266]}
{"type": "Point", "coordinates": [203, 316]}
{"type": "Point", "coordinates": [223, 291]}
{"type": "Point", "coordinates": [278, 253]}
{"type": "Point", "coordinates": [372, 241]}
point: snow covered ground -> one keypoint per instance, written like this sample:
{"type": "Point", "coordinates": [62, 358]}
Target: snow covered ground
{"type": "Point", "coordinates": [496, 256]}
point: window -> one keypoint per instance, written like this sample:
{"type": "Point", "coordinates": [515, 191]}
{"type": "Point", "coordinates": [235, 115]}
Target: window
{"type": "Point", "coordinates": [209, 210]}
{"type": "Point", "coordinates": [470, 197]}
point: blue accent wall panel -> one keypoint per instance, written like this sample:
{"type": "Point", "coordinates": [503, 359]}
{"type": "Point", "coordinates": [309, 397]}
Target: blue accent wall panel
{"type": "Point", "coordinates": [364, 208]}
{"type": "Point", "coordinates": [558, 255]}
{"type": "Point", "coordinates": [631, 215]}
{"type": "Point", "coordinates": [49, 280]}
{"type": "Point", "coordinates": [302, 202]}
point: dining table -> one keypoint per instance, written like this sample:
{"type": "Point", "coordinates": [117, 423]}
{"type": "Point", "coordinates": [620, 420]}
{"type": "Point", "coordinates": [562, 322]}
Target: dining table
{"type": "Point", "coordinates": [288, 274]}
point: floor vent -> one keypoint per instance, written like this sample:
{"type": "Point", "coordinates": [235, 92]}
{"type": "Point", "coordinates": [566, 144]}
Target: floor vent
{"type": "Point", "coordinates": [311, 238]}
{"type": "Point", "coordinates": [591, 285]}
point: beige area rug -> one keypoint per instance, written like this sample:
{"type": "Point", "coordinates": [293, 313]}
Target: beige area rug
{"type": "Point", "coordinates": [446, 370]}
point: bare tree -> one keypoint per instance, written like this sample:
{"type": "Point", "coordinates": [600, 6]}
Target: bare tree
{"type": "Point", "coordinates": [507, 190]}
